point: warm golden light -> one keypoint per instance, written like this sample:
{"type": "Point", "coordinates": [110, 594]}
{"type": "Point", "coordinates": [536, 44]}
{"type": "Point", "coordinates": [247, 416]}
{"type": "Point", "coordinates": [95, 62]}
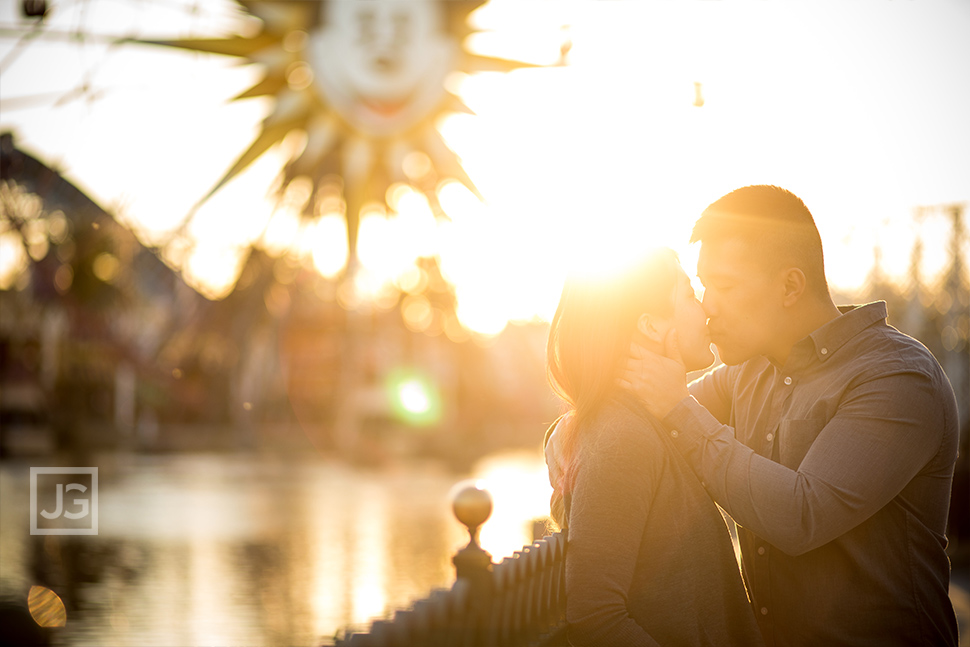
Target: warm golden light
{"type": "Point", "coordinates": [281, 231]}
{"type": "Point", "coordinates": [458, 202]}
{"type": "Point", "coordinates": [519, 485]}
{"type": "Point", "coordinates": [376, 244]}
{"type": "Point", "coordinates": [417, 165]}
{"type": "Point", "coordinates": [412, 280]}
{"type": "Point", "coordinates": [368, 558]}
{"type": "Point", "coordinates": [415, 226]}
{"type": "Point", "coordinates": [329, 245]}
{"type": "Point", "coordinates": [220, 264]}
{"type": "Point", "coordinates": [13, 261]}
{"type": "Point", "coordinates": [417, 312]}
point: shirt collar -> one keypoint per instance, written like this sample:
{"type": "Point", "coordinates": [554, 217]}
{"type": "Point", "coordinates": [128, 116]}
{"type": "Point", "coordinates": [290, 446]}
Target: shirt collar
{"type": "Point", "coordinates": [855, 318]}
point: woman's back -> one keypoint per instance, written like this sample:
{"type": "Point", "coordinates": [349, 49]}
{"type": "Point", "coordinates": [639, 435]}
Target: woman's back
{"type": "Point", "coordinates": [650, 559]}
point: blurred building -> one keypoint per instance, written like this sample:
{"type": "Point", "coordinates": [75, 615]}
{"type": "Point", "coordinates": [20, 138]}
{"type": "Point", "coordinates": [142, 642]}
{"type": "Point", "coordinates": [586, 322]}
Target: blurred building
{"type": "Point", "coordinates": [89, 308]}
{"type": "Point", "coordinates": [103, 345]}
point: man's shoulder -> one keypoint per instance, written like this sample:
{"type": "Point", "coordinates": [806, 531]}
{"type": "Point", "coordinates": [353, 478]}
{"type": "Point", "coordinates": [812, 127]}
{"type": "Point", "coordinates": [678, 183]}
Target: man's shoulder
{"type": "Point", "coordinates": [882, 349]}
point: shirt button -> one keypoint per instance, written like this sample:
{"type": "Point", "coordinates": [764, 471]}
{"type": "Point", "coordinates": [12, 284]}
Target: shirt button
{"type": "Point", "coordinates": [761, 550]}
{"type": "Point", "coordinates": [770, 437]}
{"type": "Point", "coordinates": [824, 351]}
{"type": "Point", "coordinates": [787, 380]}
{"type": "Point", "coordinates": [764, 611]}
{"type": "Point", "coordinates": [674, 433]}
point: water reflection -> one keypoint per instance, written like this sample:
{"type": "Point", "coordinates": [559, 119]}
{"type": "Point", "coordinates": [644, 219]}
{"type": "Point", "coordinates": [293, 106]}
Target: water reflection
{"type": "Point", "coordinates": [219, 550]}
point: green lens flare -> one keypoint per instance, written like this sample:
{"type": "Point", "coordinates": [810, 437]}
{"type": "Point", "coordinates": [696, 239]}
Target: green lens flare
{"type": "Point", "coordinates": [414, 400]}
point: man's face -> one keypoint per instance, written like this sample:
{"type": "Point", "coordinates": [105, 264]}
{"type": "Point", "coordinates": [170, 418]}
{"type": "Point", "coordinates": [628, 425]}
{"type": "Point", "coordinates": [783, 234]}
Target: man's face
{"type": "Point", "coordinates": [742, 299]}
{"type": "Point", "coordinates": [688, 320]}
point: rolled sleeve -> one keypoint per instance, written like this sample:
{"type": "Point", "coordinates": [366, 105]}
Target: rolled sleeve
{"type": "Point", "coordinates": [884, 433]}
{"type": "Point", "coordinates": [711, 449]}
{"type": "Point", "coordinates": [688, 423]}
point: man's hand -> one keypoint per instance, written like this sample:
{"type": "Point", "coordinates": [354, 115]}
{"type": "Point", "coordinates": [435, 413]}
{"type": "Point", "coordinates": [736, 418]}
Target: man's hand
{"type": "Point", "coordinates": [660, 382]}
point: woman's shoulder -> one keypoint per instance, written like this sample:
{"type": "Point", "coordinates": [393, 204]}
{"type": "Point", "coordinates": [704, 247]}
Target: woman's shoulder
{"type": "Point", "coordinates": [624, 425]}
{"type": "Point", "coordinates": [624, 410]}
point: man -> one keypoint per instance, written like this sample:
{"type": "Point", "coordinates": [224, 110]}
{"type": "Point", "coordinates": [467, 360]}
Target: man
{"type": "Point", "coordinates": [829, 436]}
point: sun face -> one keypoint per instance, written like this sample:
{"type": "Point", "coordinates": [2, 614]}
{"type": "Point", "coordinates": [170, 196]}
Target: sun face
{"type": "Point", "coordinates": [382, 66]}
{"type": "Point", "coordinates": [365, 81]}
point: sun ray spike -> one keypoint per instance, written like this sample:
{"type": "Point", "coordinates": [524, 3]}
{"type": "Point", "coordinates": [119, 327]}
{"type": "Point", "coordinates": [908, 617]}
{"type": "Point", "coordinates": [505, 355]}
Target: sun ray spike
{"type": "Point", "coordinates": [272, 84]}
{"type": "Point", "coordinates": [447, 162]}
{"type": "Point", "coordinates": [455, 104]}
{"type": "Point", "coordinates": [269, 136]}
{"type": "Point", "coordinates": [244, 47]}
{"type": "Point", "coordinates": [478, 63]}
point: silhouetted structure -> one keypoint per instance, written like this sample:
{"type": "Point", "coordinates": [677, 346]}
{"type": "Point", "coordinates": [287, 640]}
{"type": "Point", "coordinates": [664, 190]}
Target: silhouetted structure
{"type": "Point", "coordinates": [80, 329]}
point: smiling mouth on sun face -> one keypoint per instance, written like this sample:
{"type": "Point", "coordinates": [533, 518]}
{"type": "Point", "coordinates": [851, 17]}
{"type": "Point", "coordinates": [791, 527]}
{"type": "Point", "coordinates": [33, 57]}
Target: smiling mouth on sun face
{"type": "Point", "coordinates": [384, 108]}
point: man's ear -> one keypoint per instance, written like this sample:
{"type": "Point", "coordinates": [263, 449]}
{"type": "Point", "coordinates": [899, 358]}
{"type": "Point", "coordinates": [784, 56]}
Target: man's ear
{"type": "Point", "coordinates": [794, 286]}
{"type": "Point", "coordinates": [652, 328]}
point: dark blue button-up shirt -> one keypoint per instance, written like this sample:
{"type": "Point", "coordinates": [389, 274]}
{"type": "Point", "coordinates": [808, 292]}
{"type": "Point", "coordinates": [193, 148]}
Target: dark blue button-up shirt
{"type": "Point", "coordinates": [837, 467]}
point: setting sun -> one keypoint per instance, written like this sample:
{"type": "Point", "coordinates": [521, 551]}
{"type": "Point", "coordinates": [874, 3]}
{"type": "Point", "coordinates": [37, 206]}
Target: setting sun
{"type": "Point", "coordinates": [657, 110]}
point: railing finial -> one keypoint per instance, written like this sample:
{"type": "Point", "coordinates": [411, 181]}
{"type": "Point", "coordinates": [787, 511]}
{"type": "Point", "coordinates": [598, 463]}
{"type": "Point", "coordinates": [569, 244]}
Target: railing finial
{"type": "Point", "coordinates": [472, 505]}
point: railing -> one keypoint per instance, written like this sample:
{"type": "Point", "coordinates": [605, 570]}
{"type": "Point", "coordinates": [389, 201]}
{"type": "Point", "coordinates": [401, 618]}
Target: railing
{"type": "Point", "coordinates": [519, 602]}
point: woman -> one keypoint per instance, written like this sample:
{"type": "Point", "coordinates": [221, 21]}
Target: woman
{"type": "Point", "coordinates": [649, 558]}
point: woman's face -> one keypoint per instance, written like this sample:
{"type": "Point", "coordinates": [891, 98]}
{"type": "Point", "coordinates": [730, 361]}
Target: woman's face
{"type": "Point", "coordinates": [690, 323]}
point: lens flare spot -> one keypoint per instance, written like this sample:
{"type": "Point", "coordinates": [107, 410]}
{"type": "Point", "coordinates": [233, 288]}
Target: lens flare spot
{"type": "Point", "coordinates": [414, 399]}
{"type": "Point", "coordinates": [46, 607]}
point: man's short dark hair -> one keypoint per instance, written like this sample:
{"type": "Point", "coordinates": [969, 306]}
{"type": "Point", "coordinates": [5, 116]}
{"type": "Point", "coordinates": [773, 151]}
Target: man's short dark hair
{"type": "Point", "coordinates": [774, 223]}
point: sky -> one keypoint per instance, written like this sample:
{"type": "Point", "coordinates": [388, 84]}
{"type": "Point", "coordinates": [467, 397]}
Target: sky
{"type": "Point", "coordinates": [857, 107]}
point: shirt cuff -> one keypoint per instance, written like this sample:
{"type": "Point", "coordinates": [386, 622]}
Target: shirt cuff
{"type": "Point", "coordinates": [689, 422]}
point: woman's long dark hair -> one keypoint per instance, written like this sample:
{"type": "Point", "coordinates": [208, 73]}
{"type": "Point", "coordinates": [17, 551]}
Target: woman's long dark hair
{"type": "Point", "coordinates": [590, 337]}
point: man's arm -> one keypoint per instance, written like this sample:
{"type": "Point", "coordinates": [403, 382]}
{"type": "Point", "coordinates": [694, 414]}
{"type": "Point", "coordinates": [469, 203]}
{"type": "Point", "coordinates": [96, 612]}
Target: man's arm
{"type": "Point", "coordinates": [884, 432]}
{"type": "Point", "coordinates": [715, 391]}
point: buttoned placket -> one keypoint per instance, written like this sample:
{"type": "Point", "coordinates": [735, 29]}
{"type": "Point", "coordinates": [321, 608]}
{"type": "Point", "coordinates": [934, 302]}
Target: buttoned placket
{"type": "Point", "coordinates": [785, 381]}
{"type": "Point", "coordinates": [781, 393]}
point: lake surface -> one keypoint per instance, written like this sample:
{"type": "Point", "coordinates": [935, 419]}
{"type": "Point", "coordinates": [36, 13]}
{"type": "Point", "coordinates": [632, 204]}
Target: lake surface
{"type": "Point", "coordinates": [216, 550]}
{"type": "Point", "coordinates": [247, 550]}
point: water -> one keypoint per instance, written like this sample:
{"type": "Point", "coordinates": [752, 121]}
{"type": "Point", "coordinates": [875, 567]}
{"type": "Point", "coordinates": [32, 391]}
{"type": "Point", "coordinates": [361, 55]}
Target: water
{"type": "Point", "coordinates": [217, 550]}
